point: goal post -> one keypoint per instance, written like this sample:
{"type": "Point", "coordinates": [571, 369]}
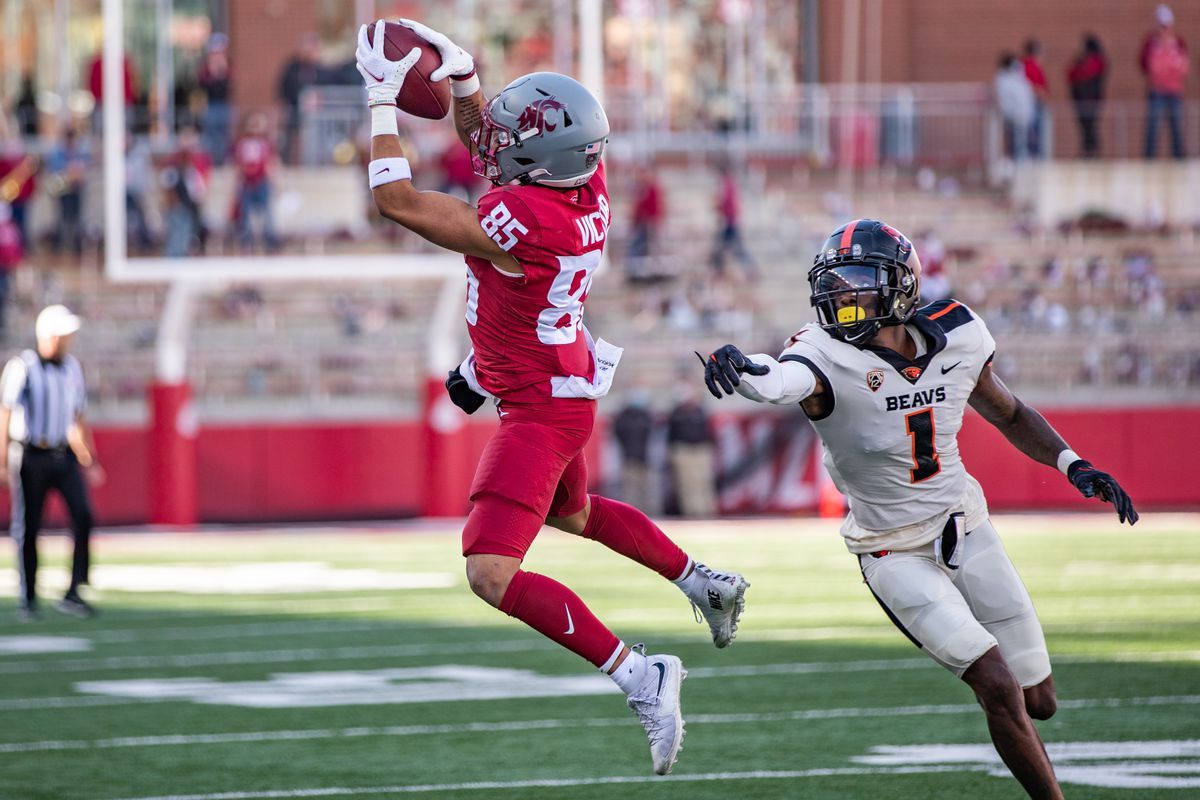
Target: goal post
{"type": "Point", "coordinates": [174, 424]}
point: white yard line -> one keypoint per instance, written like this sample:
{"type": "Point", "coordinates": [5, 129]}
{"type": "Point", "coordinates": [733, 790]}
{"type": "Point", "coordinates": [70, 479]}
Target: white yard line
{"type": "Point", "coordinates": [48, 665]}
{"type": "Point", "coordinates": [271, 656]}
{"type": "Point", "coordinates": [552, 783]}
{"type": "Point", "coordinates": [238, 630]}
{"type": "Point", "coordinates": [33, 703]}
{"type": "Point", "coordinates": [551, 724]}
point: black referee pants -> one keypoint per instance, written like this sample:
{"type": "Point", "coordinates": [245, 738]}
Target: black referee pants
{"type": "Point", "coordinates": [38, 473]}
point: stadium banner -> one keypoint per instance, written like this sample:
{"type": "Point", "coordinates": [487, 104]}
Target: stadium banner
{"type": "Point", "coordinates": [765, 463]}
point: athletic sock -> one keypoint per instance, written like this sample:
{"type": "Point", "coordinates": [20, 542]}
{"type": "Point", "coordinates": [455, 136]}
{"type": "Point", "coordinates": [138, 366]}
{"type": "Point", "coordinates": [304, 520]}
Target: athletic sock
{"type": "Point", "coordinates": [557, 613]}
{"type": "Point", "coordinates": [628, 531]}
{"type": "Point", "coordinates": [632, 672]}
{"type": "Point", "coordinates": [690, 580]}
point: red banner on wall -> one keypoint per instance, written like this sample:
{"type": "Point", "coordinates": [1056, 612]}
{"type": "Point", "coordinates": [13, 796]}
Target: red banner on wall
{"type": "Point", "coordinates": [766, 463]}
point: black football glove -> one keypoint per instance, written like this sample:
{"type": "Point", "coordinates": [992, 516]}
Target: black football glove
{"type": "Point", "coordinates": [1091, 482]}
{"type": "Point", "coordinates": [723, 367]}
{"type": "Point", "coordinates": [461, 393]}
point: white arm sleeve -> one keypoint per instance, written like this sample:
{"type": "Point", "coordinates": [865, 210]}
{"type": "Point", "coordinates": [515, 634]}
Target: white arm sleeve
{"type": "Point", "coordinates": [787, 383]}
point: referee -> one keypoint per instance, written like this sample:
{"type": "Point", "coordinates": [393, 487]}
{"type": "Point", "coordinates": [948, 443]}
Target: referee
{"type": "Point", "coordinates": [42, 403]}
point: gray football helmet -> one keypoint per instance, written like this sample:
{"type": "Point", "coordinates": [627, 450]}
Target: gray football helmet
{"type": "Point", "coordinates": [544, 128]}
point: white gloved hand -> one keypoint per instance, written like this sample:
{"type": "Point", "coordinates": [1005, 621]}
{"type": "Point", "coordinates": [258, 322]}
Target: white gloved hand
{"type": "Point", "coordinates": [382, 76]}
{"type": "Point", "coordinates": [456, 62]}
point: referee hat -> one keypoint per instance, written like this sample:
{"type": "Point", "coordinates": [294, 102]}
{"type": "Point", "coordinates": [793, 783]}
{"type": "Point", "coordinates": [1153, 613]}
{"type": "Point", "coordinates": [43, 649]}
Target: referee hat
{"type": "Point", "coordinates": [56, 320]}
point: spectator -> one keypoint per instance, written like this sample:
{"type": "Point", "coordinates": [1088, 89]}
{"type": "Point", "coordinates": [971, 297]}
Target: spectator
{"type": "Point", "coordinates": [186, 183]}
{"type": "Point", "coordinates": [729, 237]}
{"type": "Point", "coordinates": [213, 80]}
{"type": "Point", "coordinates": [458, 176]}
{"type": "Point", "coordinates": [690, 444]}
{"type": "Point", "coordinates": [935, 283]}
{"type": "Point", "coordinates": [11, 253]}
{"type": "Point", "coordinates": [25, 109]}
{"type": "Point", "coordinates": [1086, 78]}
{"type": "Point", "coordinates": [1032, 64]}
{"type": "Point", "coordinates": [649, 211]}
{"type": "Point", "coordinates": [18, 180]}
{"type": "Point", "coordinates": [139, 174]}
{"type": "Point", "coordinates": [96, 85]}
{"type": "Point", "coordinates": [68, 164]}
{"type": "Point", "coordinates": [1164, 62]}
{"type": "Point", "coordinates": [255, 161]}
{"type": "Point", "coordinates": [1016, 103]}
{"type": "Point", "coordinates": [302, 71]}
{"type": "Point", "coordinates": [633, 427]}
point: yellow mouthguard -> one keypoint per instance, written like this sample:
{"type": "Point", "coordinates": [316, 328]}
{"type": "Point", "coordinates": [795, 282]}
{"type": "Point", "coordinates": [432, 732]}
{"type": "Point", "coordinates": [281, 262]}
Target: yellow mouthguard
{"type": "Point", "coordinates": [850, 314]}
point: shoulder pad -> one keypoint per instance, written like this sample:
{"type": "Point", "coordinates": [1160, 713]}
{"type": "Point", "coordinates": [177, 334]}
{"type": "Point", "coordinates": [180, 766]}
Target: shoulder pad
{"type": "Point", "coordinates": [948, 314]}
{"type": "Point", "coordinates": [806, 331]}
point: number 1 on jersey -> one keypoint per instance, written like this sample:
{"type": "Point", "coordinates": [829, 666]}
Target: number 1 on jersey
{"type": "Point", "coordinates": [920, 427]}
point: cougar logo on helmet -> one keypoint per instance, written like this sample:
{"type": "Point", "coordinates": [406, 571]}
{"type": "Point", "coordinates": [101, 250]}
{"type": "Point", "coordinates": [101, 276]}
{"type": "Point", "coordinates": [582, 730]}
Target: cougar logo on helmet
{"type": "Point", "coordinates": [537, 115]}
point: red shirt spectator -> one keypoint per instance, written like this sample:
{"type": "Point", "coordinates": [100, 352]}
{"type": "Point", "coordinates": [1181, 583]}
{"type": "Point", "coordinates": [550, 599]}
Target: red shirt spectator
{"type": "Point", "coordinates": [456, 165]}
{"type": "Point", "coordinates": [649, 208]}
{"type": "Point", "coordinates": [253, 156]}
{"type": "Point", "coordinates": [1164, 57]}
{"type": "Point", "coordinates": [1089, 68]}
{"type": "Point", "coordinates": [18, 173]}
{"type": "Point", "coordinates": [1036, 75]}
{"type": "Point", "coordinates": [96, 80]}
{"type": "Point", "coordinates": [11, 250]}
{"type": "Point", "coordinates": [728, 205]}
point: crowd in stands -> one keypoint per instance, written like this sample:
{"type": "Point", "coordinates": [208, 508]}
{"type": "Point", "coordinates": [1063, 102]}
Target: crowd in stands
{"type": "Point", "coordinates": [1022, 92]}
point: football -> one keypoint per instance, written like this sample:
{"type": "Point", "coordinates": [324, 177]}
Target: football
{"type": "Point", "coordinates": [419, 96]}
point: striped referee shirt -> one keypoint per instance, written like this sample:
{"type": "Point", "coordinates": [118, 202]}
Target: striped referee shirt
{"type": "Point", "coordinates": [49, 396]}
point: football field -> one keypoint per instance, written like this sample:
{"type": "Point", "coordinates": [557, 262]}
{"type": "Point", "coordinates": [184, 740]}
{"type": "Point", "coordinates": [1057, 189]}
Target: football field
{"type": "Point", "coordinates": [354, 662]}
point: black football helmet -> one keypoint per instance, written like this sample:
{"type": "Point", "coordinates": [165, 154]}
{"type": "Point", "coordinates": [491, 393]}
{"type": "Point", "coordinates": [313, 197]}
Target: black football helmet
{"type": "Point", "coordinates": [863, 279]}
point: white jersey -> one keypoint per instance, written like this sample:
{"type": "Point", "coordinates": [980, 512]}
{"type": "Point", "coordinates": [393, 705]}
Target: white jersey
{"type": "Point", "coordinates": [890, 428]}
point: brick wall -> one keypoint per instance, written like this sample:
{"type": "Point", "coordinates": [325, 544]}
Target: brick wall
{"type": "Point", "coordinates": [959, 40]}
{"type": "Point", "coordinates": [263, 35]}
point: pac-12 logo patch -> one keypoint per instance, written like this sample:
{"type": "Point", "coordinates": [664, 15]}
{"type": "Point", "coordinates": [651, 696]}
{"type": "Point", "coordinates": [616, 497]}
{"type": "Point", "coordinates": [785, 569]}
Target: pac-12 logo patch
{"type": "Point", "coordinates": [875, 379]}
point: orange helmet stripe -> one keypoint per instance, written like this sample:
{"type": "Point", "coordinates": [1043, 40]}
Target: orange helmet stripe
{"type": "Point", "coordinates": [848, 234]}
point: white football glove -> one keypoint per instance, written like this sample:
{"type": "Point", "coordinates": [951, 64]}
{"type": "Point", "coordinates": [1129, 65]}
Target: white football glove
{"type": "Point", "coordinates": [382, 76]}
{"type": "Point", "coordinates": [456, 62]}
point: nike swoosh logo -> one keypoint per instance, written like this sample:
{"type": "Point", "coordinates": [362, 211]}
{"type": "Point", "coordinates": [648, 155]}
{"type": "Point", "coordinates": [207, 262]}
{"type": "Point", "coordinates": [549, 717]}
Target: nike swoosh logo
{"type": "Point", "coordinates": [570, 622]}
{"type": "Point", "coordinates": [373, 75]}
{"type": "Point", "coordinates": [952, 366]}
{"type": "Point", "coordinates": [385, 169]}
{"type": "Point", "coordinates": [662, 673]}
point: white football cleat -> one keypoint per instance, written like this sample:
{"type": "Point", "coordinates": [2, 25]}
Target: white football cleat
{"type": "Point", "coordinates": [656, 703]}
{"type": "Point", "coordinates": [721, 599]}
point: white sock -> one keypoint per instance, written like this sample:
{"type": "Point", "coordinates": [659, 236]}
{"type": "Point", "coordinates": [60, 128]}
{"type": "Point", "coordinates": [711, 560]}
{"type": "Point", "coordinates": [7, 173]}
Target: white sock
{"type": "Point", "coordinates": [632, 672]}
{"type": "Point", "coordinates": [690, 580]}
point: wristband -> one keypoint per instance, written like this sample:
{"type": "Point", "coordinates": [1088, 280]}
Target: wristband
{"type": "Point", "coordinates": [388, 170]}
{"type": "Point", "coordinates": [464, 86]}
{"type": "Point", "coordinates": [1065, 459]}
{"type": "Point", "coordinates": [383, 120]}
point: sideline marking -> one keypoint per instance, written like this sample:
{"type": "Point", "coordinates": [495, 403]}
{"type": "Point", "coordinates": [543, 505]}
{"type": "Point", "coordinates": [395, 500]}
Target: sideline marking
{"type": "Point", "coordinates": [881, 756]}
{"type": "Point", "coordinates": [550, 783]}
{"type": "Point", "coordinates": [246, 578]}
{"type": "Point", "coordinates": [26, 645]}
{"type": "Point", "coordinates": [209, 659]}
{"type": "Point", "coordinates": [1129, 774]}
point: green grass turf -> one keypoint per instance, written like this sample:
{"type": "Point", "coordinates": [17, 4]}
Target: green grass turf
{"type": "Point", "coordinates": [1121, 609]}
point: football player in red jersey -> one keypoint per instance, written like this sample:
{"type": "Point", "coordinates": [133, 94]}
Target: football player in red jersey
{"type": "Point", "coordinates": [532, 246]}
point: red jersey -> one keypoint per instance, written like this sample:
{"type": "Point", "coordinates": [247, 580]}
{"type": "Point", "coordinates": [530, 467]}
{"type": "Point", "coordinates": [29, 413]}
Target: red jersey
{"type": "Point", "coordinates": [253, 155]}
{"type": "Point", "coordinates": [528, 329]}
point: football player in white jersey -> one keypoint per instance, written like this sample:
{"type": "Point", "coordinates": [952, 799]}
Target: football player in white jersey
{"type": "Point", "coordinates": [885, 385]}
